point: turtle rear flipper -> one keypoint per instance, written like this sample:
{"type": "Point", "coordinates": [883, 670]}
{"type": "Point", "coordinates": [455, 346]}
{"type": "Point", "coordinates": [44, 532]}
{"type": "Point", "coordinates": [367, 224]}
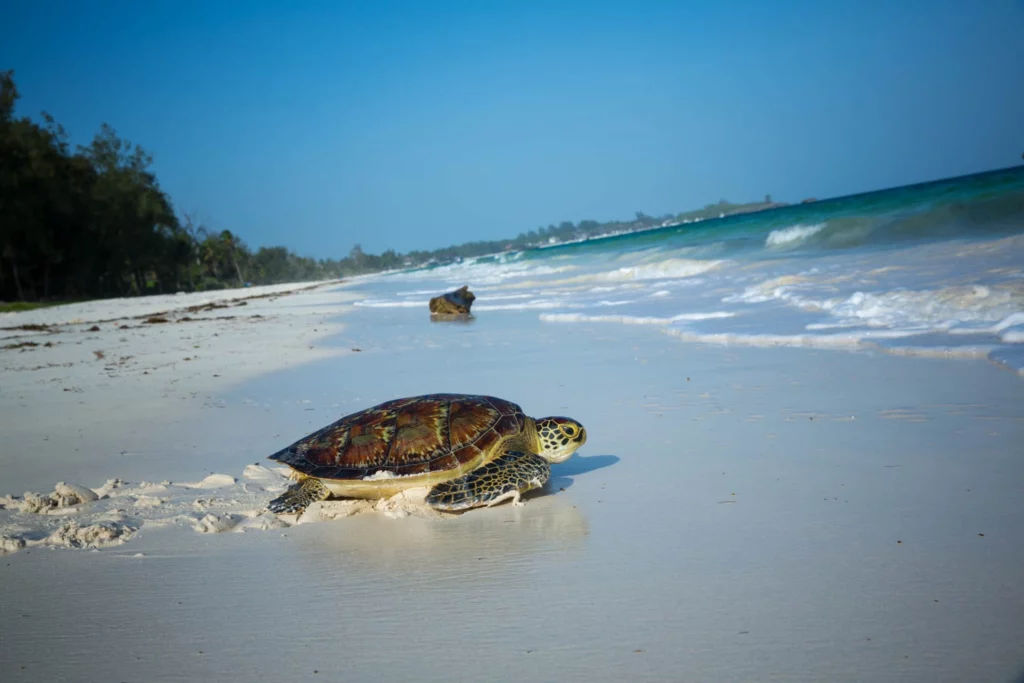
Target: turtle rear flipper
{"type": "Point", "coordinates": [507, 476]}
{"type": "Point", "coordinates": [299, 496]}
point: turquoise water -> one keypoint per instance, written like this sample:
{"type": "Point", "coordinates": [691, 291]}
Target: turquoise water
{"type": "Point", "coordinates": [932, 269]}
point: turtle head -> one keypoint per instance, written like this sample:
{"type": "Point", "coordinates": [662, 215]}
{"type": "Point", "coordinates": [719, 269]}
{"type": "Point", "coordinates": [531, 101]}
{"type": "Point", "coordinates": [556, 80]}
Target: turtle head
{"type": "Point", "coordinates": [559, 437]}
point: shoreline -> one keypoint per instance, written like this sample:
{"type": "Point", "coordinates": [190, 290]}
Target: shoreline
{"type": "Point", "coordinates": [111, 310]}
{"type": "Point", "coordinates": [736, 513]}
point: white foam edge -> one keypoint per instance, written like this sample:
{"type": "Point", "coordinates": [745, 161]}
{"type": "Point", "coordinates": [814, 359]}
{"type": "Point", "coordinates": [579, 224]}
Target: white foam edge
{"type": "Point", "coordinates": [632, 319]}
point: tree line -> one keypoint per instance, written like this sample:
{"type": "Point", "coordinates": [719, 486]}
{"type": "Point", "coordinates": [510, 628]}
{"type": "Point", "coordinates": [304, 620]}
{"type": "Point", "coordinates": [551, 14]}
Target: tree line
{"type": "Point", "coordinates": [93, 222]}
{"type": "Point", "coordinates": [567, 231]}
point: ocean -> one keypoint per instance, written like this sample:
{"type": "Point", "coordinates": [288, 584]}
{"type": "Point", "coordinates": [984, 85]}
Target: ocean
{"type": "Point", "coordinates": [931, 269]}
{"type": "Point", "coordinates": [822, 511]}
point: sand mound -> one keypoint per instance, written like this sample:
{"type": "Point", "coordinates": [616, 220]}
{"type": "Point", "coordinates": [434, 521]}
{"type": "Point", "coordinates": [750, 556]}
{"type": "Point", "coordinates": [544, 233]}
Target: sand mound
{"type": "Point", "coordinates": [114, 512]}
{"type": "Point", "coordinates": [71, 534]}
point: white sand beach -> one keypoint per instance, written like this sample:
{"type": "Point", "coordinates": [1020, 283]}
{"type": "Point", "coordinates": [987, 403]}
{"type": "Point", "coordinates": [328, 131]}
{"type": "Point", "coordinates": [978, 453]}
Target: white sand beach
{"type": "Point", "coordinates": [137, 369]}
{"type": "Point", "coordinates": [737, 514]}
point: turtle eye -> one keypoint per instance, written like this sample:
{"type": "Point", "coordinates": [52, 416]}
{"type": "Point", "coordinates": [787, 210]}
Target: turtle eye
{"type": "Point", "coordinates": [569, 430]}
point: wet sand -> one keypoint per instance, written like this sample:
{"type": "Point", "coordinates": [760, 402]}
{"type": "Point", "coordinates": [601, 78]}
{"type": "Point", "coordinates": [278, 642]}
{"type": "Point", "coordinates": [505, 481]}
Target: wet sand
{"type": "Point", "coordinates": [737, 514]}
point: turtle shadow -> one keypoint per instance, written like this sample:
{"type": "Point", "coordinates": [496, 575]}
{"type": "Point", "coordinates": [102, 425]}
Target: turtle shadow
{"type": "Point", "coordinates": [563, 474]}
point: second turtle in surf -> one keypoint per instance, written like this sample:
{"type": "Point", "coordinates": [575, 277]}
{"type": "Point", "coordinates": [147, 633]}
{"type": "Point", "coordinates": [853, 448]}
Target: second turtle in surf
{"type": "Point", "coordinates": [470, 450]}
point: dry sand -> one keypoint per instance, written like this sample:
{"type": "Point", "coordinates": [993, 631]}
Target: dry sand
{"type": "Point", "coordinates": [72, 377]}
{"type": "Point", "coordinates": [736, 515]}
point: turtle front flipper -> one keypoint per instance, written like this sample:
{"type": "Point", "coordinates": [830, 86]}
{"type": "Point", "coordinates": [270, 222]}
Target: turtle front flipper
{"type": "Point", "coordinates": [299, 496]}
{"type": "Point", "coordinates": [507, 476]}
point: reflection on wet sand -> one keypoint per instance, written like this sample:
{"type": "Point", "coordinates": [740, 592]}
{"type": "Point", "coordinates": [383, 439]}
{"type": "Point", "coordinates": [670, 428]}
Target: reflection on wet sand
{"type": "Point", "coordinates": [484, 542]}
{"type": "Point", "coordinates": [477, 544]}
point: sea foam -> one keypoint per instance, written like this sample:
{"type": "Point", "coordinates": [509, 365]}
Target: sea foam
{"type": "Point", "coordinates": [865, 273]}
{"type": "Point", "coordinates": [665, 269]}
{"type": "Point", "coordinates": [631, 319]}
{"type": "Point", "coordinates": [792, 236]}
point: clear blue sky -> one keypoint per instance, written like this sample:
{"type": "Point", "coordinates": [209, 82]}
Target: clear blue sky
{"type": "Point", "coordinates": [421, 124]}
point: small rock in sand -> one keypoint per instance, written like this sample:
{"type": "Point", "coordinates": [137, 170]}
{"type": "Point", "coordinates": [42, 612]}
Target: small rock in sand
{"type": "Point", "coordinates": [453, 304]}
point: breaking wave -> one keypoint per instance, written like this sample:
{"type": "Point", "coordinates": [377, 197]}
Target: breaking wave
{"type": "Point", "coordinates": [933, 269]}
{"type": "Point", "coordinates": [792, 236]}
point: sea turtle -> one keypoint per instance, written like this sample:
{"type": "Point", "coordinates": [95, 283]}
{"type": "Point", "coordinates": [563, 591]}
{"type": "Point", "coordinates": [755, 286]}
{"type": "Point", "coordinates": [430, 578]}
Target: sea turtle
{"type": "Point", "coordinates": [470, 450]}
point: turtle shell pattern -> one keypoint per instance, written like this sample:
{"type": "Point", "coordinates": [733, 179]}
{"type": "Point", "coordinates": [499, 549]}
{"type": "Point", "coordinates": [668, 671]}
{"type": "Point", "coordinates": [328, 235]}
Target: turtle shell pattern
{"type": "Point", "coordinates": [406, 436]}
